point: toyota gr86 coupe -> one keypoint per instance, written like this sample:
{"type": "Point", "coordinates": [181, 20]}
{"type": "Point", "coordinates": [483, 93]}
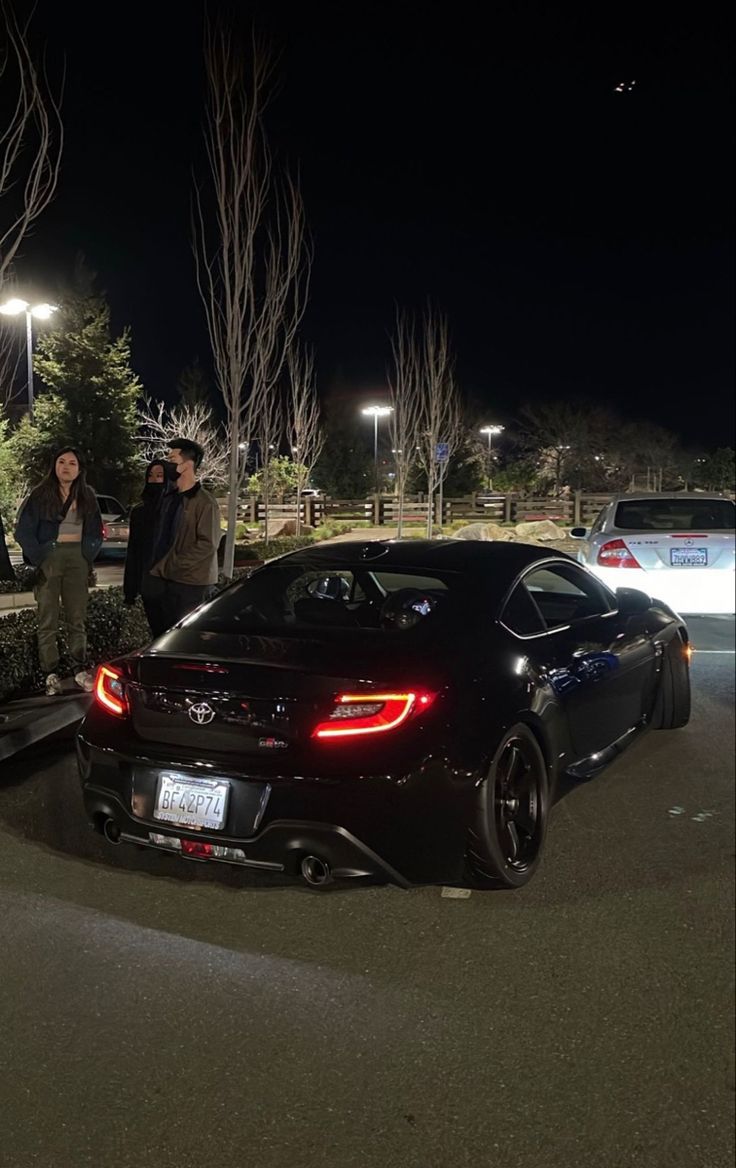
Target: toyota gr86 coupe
{"type": "Point", "coordinates": [392, 711]}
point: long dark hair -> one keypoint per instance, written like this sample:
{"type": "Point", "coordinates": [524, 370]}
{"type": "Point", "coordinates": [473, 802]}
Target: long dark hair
{"type": "Point", "coordinates": [48, 491]}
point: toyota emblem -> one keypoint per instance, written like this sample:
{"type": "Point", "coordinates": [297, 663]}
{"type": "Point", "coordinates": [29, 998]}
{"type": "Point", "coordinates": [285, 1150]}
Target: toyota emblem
{"type": "Point", "coordinates": [202, 713]}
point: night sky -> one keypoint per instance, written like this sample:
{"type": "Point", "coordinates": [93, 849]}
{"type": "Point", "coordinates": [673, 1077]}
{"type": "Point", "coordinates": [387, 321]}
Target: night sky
{"type": "Point", "coordinates": [579, 239]}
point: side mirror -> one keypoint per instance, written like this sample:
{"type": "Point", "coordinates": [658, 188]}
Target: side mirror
{"type": "Point", "coordinates": [632, 602]}
{"type": "Point", "coordinates": [579, 532]}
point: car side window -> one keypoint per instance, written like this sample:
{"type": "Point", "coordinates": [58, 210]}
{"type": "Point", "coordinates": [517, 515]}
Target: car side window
{"type": "Point", "coordinates": [521, 615]}
{"type": "Point", "coordinates": [565, 593]}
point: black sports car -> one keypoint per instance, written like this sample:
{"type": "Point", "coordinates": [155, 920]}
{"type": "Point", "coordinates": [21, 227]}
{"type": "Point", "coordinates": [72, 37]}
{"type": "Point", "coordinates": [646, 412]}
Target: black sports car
{"type": "Point", "coordinates": [392, 711]}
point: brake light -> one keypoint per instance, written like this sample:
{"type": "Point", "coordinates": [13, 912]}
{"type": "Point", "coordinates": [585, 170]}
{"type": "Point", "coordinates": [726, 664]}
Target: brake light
{"type": "Point", "coordinates": [197, 848]}
{"type": "Point", "coordinates": [105, 532]}
{"type": "Point", "coordinates": [109, 691]}
{"type": "Point", "coordinates": [368, 713]}
{"type": "Point", "coordinates": [615, 554]}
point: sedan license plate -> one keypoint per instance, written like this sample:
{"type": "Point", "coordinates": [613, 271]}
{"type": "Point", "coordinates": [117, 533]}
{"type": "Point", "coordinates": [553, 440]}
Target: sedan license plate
{"type": "Point", "coordinates": [689, 557]}
{"type": "Point", "coordinates": [191, 802]}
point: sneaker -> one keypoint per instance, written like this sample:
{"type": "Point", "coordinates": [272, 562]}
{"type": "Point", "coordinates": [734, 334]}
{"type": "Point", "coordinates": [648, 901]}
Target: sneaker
{"type": "Point", "coordinates": [53, 685]}
{"type": "Point", "coordinates": [85, 680]}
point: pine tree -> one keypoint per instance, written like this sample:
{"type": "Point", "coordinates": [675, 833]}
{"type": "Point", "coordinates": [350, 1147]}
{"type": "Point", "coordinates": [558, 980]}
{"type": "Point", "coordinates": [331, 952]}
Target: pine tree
{"type": "Point", "coordinates": [89, 395]}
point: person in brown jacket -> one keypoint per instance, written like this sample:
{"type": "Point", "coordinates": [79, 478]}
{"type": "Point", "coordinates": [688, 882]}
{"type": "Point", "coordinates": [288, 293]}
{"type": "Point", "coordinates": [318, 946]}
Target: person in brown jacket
{"type": "Point", "coordinates": [184, 560]}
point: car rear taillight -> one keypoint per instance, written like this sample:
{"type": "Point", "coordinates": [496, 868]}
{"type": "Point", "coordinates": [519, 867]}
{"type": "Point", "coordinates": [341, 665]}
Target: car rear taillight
{"type": "Point", "coordinates": [369, 713]}
{"type": "Point", "coordinates": [105, 531]}
{"type": "Point", "coordinates": [615, 554]}
{"type": "Point", "coordinates": [109, 691]}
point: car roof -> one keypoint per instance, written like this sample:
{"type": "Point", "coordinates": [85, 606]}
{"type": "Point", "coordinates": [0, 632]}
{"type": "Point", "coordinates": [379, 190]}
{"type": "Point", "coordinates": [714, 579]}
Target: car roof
{"type": "Point", "coordinates": [655, 496]}
{"type": "Point", "coordinates": [501, 559]}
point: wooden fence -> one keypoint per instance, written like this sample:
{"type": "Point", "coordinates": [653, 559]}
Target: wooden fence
{"type": "Point", "coordinates": [382, 510]}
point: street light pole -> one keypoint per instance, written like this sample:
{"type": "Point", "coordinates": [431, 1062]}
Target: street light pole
{"type": "Point", "coordinates": [376, 412]}
{"type": "Point", "coordinates": [15, 307]}
{"type": "Point", "coordinates": [29, 359]}
{"type": "Point", "coordinates": [490, 431]}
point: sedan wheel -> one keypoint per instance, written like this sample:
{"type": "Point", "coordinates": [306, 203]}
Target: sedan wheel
{"type": "Point", "coordinates": [505, 841]}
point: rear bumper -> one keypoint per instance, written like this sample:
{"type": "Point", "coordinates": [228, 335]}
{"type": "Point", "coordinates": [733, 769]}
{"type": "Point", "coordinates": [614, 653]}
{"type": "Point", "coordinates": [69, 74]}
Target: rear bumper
{"type": "Point", "coordinates": [686, 590]}
{"type": "Point", "coordinates": [402, 829]}
{"type": "Point", "coordinates": [279, 847]}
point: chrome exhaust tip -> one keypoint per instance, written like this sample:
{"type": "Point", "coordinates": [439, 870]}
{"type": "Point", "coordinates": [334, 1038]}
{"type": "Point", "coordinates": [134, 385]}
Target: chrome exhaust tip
{"type": "Point", "coordinates": [111, 831]}
{"type": "Point", "coordinates": [316, 872]}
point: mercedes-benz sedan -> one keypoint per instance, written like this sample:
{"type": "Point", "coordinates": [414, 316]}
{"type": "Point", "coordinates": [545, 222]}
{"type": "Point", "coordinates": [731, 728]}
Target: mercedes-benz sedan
{"type": "Point", "coordinates": [677, 547]}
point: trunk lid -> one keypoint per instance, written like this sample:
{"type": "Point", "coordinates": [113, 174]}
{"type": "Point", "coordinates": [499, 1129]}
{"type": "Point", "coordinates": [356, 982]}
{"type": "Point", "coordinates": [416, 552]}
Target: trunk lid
{"type": "Point", "coordinates": [681, 550]}
{"type": "Point", "coordinates": [238, 696]}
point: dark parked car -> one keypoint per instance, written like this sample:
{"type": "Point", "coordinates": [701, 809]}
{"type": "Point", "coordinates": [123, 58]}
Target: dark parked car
{"type": "Point", "coordinates": [392, 711]}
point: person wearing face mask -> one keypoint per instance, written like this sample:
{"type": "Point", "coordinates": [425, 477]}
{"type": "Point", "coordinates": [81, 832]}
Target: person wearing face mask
{"type": "Point", "coordinates": [59, 529]}
{"type": "Point", "coordinates": [184, 560]}
{"type": "Point", "coordinates": [142, 526]}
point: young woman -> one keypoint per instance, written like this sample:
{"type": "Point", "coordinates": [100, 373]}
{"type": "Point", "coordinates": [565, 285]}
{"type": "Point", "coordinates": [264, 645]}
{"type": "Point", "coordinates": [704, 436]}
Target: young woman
{"type": "Point", "coordinates": [59, 529]}
{"type": "Point", "coordinates": [141, 532]}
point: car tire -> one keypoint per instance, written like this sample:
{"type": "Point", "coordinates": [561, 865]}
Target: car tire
{"type": "Point", "coordinates": [506, 836]}
{"type": "Point", "coordinates": [672, 703]}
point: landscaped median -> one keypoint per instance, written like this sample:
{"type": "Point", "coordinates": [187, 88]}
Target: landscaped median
{"type": "Point", "coordinates": [113, 628]}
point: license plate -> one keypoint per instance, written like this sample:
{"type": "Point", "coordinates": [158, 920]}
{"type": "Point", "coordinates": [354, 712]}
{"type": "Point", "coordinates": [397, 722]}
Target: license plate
{"type": "Point", "coordinates": [191, 802]}
{"type": "Point", "coordinates": [689, 557]}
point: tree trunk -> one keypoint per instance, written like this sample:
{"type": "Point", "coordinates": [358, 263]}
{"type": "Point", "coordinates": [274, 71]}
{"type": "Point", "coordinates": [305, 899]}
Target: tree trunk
{"type": "Point", "coordinates": [232, 503]}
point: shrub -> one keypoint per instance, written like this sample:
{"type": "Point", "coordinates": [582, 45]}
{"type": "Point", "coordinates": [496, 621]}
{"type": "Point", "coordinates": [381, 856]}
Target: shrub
{"type": "Point", "coordinates": [113, 628]}
{"type": "Point", "coordinates": [275, 547]}
{"type": "Point", "coordinates": [24, 575]}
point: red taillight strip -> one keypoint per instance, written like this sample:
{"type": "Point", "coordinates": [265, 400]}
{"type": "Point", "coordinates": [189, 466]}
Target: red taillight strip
{"type": "Point", "coordinates": [397, 707]}
{"type": "Point", "coordinates": [107, 700]}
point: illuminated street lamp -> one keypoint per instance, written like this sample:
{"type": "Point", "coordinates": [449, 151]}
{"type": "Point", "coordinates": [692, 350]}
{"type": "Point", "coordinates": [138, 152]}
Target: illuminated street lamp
{"type": "Point", "coordinates": [490, 431]}
{"type": "Point", "coordinates": [15, 307]}
{"type": "Point", "coordinates": [376, 412]}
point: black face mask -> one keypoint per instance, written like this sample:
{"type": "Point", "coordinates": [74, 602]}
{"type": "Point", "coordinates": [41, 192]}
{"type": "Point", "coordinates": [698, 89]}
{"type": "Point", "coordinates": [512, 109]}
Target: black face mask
{"type": "Point", "coordinates": [172, 472]}
{"type": "Point", "coordinates": [152, 492]}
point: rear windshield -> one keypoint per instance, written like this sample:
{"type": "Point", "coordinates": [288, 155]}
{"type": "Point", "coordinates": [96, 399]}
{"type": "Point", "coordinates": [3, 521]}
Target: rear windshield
{"type": "Point", "coordinates": [299, 597]}
{"type": "Point", "coordinates": [675, 515]}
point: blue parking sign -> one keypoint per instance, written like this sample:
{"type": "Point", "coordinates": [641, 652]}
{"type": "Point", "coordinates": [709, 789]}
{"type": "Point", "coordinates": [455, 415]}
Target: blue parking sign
{"type": "Point", "coordinates": [443, 452]}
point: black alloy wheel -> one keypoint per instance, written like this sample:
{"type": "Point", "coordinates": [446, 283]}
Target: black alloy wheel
{"type": "Point", "coordinates": [505, 842]}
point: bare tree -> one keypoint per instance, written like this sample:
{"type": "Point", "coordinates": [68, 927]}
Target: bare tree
{"type": "Point", "coordinates": [303, 429]}
{"type": "Point", "coordinates": [440, 416]}
{"type": "Point", "coordinates": [159, 427]}
{"type": "Point", "coordinates": [31, 143]}
{"type": "Point", "coordinates": [251, 259]}
{"type": "Point", "coordinates": [405, 388]}
{"type": "Point", "coordinates": [268, 431]}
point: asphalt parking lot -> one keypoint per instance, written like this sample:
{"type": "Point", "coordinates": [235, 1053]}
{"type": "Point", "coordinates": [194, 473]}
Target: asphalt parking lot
{"type": "Point", "coordinates": [159, 1012]}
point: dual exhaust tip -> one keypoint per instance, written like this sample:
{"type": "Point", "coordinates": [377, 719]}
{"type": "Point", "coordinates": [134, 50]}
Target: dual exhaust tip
{"type": "Point", "coordinates": [315, 871]}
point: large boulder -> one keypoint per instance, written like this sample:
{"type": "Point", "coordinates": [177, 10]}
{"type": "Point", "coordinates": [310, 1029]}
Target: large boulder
{"type": "Point", "coordinates": [485, 531]}
{"type": "Point", "coordinates": [279, 527]}
{"type": "Point", "coordinates": [539, 531]}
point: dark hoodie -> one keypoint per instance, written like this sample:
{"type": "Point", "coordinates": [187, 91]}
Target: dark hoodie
{"type": "Point", "coordinates": [143, 523]}
{"type": "Point", "coordinates": [6, 568]}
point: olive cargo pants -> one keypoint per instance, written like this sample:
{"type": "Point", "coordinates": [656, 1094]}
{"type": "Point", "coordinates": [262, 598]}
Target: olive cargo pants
{"type": "Point", "coordinates": [64, 577]}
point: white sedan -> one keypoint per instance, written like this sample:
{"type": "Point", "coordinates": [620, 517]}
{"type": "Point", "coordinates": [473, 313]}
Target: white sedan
{"type": "Point", "coordinates": [678, 548]}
